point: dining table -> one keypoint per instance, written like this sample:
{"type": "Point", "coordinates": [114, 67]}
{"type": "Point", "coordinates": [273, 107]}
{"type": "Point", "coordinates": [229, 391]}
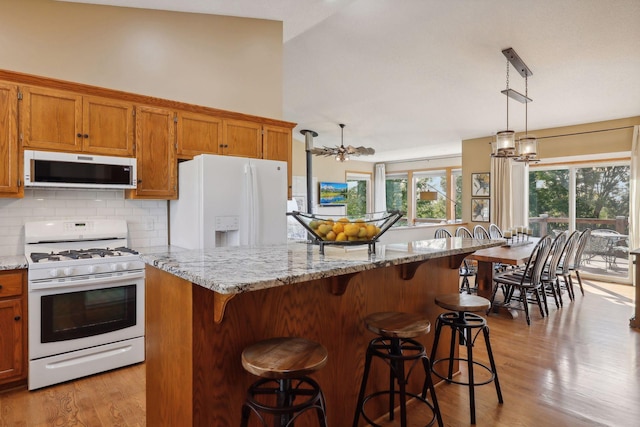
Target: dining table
{"type": "Point", "coordinates": [511, 254]}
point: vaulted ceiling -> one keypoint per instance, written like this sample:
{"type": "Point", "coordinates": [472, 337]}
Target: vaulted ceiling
{"type": "Point", "coordinates": [413, 78]}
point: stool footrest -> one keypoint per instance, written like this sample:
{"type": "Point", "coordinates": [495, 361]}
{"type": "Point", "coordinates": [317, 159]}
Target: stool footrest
{"type": "Point", "coordinates": [451, 380]}
{"type": "Point", "coordinates": [388, 392]}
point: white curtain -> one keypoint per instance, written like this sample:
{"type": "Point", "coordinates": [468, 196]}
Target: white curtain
{"type": "Point", "coordinates": [380, 188]}
{"type": "Point", "coordinates": [501, 193]}
{"type": "Point", "coordinates": [634, 192]}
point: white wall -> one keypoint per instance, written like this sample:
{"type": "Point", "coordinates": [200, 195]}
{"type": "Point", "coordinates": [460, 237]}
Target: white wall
{"type": "Point", "coordinates": [216, 61]}
{"type": "Point", "coordinates": [146, 219]}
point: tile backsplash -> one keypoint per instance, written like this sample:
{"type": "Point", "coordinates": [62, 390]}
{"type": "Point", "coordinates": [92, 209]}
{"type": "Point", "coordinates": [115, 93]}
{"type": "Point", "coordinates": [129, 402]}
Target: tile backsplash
{"type": "Point", "coordinates": [146, 219]}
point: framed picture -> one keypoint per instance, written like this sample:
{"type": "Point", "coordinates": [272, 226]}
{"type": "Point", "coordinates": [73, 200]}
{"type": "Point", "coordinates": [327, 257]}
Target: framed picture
{"type": "Point", "coordinates": [333, 193]}
{"type": "Point", "coordinates": [481, 184]}
{"type": "Point", "coordinates": [480, 210]}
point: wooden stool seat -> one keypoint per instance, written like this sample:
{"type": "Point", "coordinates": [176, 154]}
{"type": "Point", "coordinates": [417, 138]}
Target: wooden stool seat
{"type": "Point", "coordinates": [284, 357]}
{"type": "Point", "coordinates": [463, 302]}
{"type": "Point", "coordinates": [397, 325]}
{"type": "Point", "coordinates": [284, 363]}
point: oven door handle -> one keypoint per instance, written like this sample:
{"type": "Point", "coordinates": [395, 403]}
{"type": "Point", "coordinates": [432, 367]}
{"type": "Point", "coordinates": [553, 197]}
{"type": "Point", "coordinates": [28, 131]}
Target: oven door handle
{"type": "Point", "coordinates": [74, 283]}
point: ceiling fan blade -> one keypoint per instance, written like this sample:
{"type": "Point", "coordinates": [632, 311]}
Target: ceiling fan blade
{"type": "Point", "coordinates": [324, 151]}
{"type": "Point", "coordinates": [360, 151]}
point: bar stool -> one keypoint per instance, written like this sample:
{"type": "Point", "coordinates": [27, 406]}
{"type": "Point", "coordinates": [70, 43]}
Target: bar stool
{"type": "Point", "coordinates": [283, 364]}
{"type": "Point", "coordinates": [463, 322]}
{"type": "Point", "coordinates": [395, 346]}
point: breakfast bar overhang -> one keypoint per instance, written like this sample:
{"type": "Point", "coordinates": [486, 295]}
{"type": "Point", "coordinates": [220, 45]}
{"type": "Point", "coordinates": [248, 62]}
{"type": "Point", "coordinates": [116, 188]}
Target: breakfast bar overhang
{"type": "Point", "coordinates": [204, 307]}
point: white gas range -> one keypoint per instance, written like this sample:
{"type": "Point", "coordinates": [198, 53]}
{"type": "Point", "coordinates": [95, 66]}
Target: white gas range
{"type": "Point", "coordinates": [86, 299]}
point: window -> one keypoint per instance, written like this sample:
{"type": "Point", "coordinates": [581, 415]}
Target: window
{"type": "Point", "coordinates": [431, 210]}
{"type": "Point", "coordinates": [397, 189]}
{"type": "Point", "coordinates": [358, 194]}
{"type": "Point", "coordinates": [594, 196]}
{"type": "Point", "coordinates": [440, 209]}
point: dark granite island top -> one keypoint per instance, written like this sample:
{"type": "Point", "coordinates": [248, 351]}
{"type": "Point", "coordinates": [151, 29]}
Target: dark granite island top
{"type": "Point", "coordinates": [203, 307]}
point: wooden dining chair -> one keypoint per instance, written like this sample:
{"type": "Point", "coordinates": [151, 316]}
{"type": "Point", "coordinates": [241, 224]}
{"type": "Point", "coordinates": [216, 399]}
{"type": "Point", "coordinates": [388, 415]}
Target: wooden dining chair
{"type": "Point", "coordinates": [464, 233]}
{"type": "Point", "coordinates": [495, 232]}
{"type": "Point", "coordinates": [550, 273]}
{"type": "Point", "coordinates": [442, 233]}
{"type": "Point", "coordinates": [566, 260]}
{"type": "Point", "coordinates": [525, 285]}
{"type": "Point", "coordinates": [480, 233]}
{"type": "Point", "coordinates": [578, 259]}
{"type": "Point", "coordinates": [467, 269]}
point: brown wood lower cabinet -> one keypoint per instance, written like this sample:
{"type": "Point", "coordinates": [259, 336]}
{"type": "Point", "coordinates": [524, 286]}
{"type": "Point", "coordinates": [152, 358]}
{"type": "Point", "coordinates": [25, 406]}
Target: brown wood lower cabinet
{"type": "Point", "coordinates": [193, 365]}
{"type": "Point", "coordinates": [13, 329]}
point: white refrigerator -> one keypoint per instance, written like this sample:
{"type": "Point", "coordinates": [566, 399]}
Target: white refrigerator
{"type": "Point", "coordinates": [229, 201]}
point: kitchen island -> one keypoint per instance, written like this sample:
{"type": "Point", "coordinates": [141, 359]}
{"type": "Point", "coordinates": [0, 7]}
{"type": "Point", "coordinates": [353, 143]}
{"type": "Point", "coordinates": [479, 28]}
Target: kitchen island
{"type": "Point", "coordinates": [203, 307]}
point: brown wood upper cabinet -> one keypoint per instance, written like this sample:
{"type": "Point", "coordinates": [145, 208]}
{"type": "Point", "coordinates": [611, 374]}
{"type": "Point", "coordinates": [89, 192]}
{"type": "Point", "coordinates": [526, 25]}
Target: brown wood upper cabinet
{"type": "Point", "coordinates": [13, 328]}
{"type": "Point", "coordinates": [10, 167]}
{"type": "Point", "coordinates": [276, 145]}
{"type": "Point", "coordinates": [241, 138]}
{"type": "Point", "coordinates": [156, 154]}
{"type": "Point", "coordinates": [59, 120]}
{"type": "Point", "coordinates": [198, 134]}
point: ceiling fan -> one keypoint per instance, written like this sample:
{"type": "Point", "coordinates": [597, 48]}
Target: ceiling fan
{"type": "Point", "coordinates": [342, 153]}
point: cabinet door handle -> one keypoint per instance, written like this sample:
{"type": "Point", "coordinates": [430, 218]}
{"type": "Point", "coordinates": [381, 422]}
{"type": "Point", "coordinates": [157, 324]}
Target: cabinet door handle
{"type": "Point", "coordinates": [139, 181]}
{"type": "Point", "coordinates": [79, 135]}
{"type": "Point", "coordinates": [86, 135]}
{"type": "Point", "coordinates": [17, 318]}
{"type": "Point", "coordinates": [0, 287]}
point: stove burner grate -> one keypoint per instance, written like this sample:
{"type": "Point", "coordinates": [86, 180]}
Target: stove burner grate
{"type": "Point", "coordinates": [82, 254]}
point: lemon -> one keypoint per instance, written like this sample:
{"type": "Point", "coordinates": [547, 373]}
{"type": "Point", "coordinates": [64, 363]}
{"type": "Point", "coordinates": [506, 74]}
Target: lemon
{"type": "Point", "coordinates": [331, 235]}
{"type": "Point", "coordinates": [351, 230]}
{"type": "Point", "coordinates": [338, 227]}
{"type": "Point", "coordinates": [341, 237]}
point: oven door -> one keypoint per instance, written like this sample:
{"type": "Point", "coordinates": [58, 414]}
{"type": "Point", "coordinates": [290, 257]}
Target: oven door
{"type": "Point", "coordinates": [82, 313]}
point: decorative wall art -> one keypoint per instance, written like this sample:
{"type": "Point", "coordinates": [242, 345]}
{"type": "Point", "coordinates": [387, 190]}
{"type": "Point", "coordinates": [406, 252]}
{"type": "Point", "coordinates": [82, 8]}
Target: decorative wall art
{"type": "Point", "coordinates": [480, 210]}
{"type": "Point", "coordinates": [481, 184]}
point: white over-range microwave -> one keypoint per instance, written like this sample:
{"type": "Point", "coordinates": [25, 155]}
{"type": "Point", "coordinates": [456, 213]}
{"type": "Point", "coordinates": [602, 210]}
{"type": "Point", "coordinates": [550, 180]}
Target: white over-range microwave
{"type": "Point", "coordinates": [77, 170]}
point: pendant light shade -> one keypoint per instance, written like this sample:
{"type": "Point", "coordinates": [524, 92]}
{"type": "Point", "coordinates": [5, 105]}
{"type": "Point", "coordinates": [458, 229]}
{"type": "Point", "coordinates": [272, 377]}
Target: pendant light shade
{"type": "Point", "coordinates": [505, 144]}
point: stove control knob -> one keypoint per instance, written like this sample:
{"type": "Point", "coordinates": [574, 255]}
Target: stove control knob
{"type": "Point", "coordinates": [68, 271]}
{"type": "Point", "coordinates": [54, 272]}
{"type": "Point", "coordinates": [125, 265]}
{"type": "Point", "coordinates": [115, 267]}
{"type": "Point", "coordinates": [91, 269]}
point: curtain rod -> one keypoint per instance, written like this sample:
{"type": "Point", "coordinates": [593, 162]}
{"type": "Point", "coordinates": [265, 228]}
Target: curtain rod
{"type": "Point", "coordinates": [422, 159]}
{"type": "Point", "coordinates": [586, 132]}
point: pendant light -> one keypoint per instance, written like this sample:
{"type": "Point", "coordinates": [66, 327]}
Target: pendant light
{"type": "Point", "coordinates": [527, 144]}
{"type": "Point", "coordinates": [505, 143]}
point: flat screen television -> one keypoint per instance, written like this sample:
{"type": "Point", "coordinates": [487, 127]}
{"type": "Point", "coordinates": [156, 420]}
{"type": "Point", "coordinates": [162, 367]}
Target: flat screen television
{"type": "Point", "coordinates": [333, 193]}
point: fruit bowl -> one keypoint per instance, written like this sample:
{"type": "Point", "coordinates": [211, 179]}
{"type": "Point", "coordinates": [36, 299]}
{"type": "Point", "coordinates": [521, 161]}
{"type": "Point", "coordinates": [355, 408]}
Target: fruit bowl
{"type": "Point", "coordinates": [346, 231]}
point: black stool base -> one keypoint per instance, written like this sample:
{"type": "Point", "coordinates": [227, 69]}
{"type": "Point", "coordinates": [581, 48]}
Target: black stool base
{"type": "Point", "coordinates": [395, 352]}
{"type": "Point", "coordinates": [285, 412]}
{"type": "Point", "coordinates": [463, 325]}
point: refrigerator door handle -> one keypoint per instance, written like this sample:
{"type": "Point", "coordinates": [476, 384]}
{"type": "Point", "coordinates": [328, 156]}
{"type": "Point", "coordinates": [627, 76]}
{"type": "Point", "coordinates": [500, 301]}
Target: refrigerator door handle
{"type": "Point", "coordinates": [252, 204]}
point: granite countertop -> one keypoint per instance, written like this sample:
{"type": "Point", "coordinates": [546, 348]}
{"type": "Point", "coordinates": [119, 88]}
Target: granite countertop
{"type": "Point", "coordinates": [233, 270]}
{"type": "Point", "coordinates": [16, 262]}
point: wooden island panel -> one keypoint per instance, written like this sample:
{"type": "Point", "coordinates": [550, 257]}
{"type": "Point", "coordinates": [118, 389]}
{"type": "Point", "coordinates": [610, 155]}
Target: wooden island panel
{"type": "Point", "coordinates": [194, 371]}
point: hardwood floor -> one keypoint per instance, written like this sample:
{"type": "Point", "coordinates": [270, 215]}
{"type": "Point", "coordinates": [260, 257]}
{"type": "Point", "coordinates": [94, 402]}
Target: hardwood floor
{"type": "Point", "coordinates": [578, 367]}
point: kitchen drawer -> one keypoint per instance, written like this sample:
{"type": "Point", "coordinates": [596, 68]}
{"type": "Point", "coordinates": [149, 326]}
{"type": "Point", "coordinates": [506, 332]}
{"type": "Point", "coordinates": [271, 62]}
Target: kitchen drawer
{"type": "Point", "coordinates": [10, 284]}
